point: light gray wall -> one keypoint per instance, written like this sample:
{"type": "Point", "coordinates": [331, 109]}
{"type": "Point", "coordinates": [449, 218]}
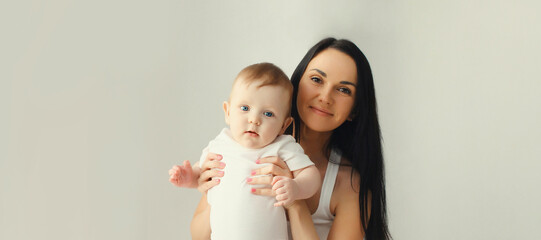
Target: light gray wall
{"type": "Point", "coordinates": [98, 99]}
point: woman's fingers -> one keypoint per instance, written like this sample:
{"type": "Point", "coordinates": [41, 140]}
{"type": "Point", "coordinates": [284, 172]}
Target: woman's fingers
{"type": "Point", "coordinates": [274, 160]}
{"type": "Point", "coordinates": [277, 167]}
{"type": "Point", "coordinates": [209, 174]}
{"type": "Point", "coordinates": [212, 164]}
{"type": "Point", "coordinates": [213, 157]}
{"type": "Point", "coordinates": [204, 187]}
{"type": "Point", "coordinates": [266, 174]}
{"type": "Point", "coordinates": [210, 169]}
{"type": "Point", "coordinates": [263, 191]}
{"type": "Point", "coordinates": [271, 170]}
{"type": "Point", "coordinates": [262, 180]}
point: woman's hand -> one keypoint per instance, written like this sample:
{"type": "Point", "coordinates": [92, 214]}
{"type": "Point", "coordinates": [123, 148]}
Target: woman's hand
{"type": "Point", "coordinates": [209, 171]}
{"type": "Point", "coordinates": [276, 169]}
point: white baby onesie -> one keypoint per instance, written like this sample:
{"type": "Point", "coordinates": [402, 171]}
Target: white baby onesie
{"type": "Point", "coordinates": [235, 212]}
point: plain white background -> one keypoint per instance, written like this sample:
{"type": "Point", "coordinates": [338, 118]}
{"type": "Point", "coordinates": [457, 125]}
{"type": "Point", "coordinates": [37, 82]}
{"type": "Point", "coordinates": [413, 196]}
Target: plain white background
{"type": "Point", "coordinates": [98, 99]}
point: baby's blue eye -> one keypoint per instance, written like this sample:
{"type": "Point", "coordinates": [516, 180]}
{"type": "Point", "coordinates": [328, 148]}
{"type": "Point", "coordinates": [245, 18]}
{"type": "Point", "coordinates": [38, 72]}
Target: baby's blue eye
{"type": "Point", "coordinates": [268, 114]}
{"type": "Point", "coordinates": [244, 108]}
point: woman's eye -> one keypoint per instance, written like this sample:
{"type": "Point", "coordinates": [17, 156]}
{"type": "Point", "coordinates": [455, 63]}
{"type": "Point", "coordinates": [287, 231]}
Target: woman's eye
{"type": "Point", "coordinates": [345, 90]}
{"type": "Point", "coordinates": [244, 108]}
{"type": "Point", "coordinates": [316, 80]}
{"type": "Point", "coordinates": [268, 114]}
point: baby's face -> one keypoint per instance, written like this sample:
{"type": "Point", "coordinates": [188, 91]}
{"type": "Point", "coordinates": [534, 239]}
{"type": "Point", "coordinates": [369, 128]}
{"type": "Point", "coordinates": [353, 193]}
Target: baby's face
{"type": "Point", "coordinates": [256, 115]}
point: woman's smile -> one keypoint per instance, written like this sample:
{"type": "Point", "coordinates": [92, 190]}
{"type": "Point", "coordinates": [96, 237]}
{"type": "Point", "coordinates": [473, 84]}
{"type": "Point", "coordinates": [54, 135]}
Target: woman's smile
{"type": "Point", "coordinates": [321, 111]}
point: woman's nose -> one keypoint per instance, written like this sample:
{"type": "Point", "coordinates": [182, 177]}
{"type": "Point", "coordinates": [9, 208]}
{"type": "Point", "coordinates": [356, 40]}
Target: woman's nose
{"type": "Point", "coordinates": [325, 96]}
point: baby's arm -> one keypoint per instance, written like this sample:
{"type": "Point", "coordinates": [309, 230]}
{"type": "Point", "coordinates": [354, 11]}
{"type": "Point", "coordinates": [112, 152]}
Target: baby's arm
{"type": "Point", "coordinates": [304, 184]}
{"type": "Point", "coordinates": [185, 175]}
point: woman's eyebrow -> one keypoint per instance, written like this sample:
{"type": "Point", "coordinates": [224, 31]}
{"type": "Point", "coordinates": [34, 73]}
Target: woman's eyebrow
{"type": "Point", "coordinates": [348, 83]}
{"type": "Point", "coordinates": [325, 75]}
{"type": "Point", "coordinates": [319, 71]}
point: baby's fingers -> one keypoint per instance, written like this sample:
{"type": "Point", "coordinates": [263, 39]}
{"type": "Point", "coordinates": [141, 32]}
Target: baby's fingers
{"type": "Point", "coordinates": [281, 197]}
{"type": "Point", "coordinates": [284, 203]}
{"type": "Point", "coordinates": [280, 191]}
{"type": "Point", "coordinates": [278, 184]}
{"type": "Point", "coordinates": [173, 180]}
{"type": "Point", "coordinates": [175, 170]}
{"type": "Point", "coordinates": [187, 164]}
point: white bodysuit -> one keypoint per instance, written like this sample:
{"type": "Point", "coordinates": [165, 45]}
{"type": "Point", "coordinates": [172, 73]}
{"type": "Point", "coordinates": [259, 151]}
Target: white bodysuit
{"type": "Point", "coordinates": [235, 212]}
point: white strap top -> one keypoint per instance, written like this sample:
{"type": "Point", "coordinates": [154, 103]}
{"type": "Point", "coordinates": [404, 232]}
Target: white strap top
{"type": "Point", "coordinates": [323, 218]}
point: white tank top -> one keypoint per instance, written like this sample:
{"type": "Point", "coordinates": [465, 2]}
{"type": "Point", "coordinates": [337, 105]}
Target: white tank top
{"type": "Point", "coordinates": [323, 218]}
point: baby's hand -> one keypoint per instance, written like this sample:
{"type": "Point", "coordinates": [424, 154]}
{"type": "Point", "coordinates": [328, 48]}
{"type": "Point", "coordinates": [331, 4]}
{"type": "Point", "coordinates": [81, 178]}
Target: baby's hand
{"type": "Point", "coordinates": [182, 176]}
{"type": "Point", "coordinates": [286, 190]}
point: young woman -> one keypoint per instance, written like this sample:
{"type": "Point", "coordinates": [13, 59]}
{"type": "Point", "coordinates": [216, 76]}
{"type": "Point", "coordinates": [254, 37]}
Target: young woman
{"type": "Point", "coordinates": [336, 123]}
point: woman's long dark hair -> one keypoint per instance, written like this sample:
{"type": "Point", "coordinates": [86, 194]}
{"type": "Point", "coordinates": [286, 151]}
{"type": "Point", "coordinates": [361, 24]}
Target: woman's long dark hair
{"type": "Point", "coordinates": [359, 140]}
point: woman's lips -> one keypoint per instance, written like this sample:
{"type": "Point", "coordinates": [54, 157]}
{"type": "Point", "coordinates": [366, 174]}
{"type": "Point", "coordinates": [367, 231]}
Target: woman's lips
{"type": "Point", "coordinates": [320, 111]}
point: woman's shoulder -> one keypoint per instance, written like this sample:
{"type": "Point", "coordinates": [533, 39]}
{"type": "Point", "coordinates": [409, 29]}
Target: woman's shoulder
{"type": "Point", "coordinates": [348, 179]}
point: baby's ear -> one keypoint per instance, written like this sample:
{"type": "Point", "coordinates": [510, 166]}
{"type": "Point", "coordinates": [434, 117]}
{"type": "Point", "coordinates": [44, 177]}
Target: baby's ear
{"type": "Point", "coordinates": [287, 122]}
{"type": "Point", "coordinates": [226, 112]}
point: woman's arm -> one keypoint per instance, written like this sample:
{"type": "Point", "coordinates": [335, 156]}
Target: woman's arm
{"type": "Point", "coordinates": [347, 221]}
{"type": "Point", "coordinates": [200, 225]}
{"type": "Point", "coordinates": [300, 220]}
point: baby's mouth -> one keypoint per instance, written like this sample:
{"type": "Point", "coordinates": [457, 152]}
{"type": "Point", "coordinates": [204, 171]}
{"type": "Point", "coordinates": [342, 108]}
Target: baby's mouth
{"type": "Point", "coordinates": [252, 133]}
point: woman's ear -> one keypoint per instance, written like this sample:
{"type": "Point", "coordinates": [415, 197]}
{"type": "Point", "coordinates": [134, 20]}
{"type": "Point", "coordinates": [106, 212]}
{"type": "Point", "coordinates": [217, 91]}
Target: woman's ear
{"type": "Point", "coordinates": [226, 112]}
{"type": "Point", "coordinates": [287, 122]}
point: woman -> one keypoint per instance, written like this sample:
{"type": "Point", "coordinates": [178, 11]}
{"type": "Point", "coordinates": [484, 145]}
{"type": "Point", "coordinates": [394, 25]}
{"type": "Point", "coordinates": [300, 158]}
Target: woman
{"type": "Point", "coordinates": [334, 108]}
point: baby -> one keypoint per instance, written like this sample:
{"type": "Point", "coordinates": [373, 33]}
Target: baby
{"type": "Point", "coordinates": [258, 113]}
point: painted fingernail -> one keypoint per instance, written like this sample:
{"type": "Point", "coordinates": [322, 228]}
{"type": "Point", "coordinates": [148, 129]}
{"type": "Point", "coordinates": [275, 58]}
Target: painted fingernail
{"type": "Point", "coordinates": [253, 173]}
{"type": "Point", "coordinates": [217, 180]}
{"type": "Point", "coordinates": [222, 165]}
{"type": "Point", "coordinates": [257, 161]}
{"type": "Point", "coordinates": [253, 190]}
{"type": "Point", "coordinates": [248, 180]}
{"type": "Point", "coordinates": [221, 173]}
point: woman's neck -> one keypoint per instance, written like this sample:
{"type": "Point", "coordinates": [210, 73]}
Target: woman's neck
{"type": "Point", "coordinates": [315, 144]}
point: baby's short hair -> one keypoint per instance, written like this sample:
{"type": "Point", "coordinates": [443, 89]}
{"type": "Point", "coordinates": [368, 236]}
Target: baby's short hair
{"type": "Point", "coordinates": [265, 74]}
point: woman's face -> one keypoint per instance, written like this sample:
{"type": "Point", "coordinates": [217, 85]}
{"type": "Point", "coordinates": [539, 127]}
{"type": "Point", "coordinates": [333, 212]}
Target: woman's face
{"type": "Point", "coordinates": [326, 93]}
